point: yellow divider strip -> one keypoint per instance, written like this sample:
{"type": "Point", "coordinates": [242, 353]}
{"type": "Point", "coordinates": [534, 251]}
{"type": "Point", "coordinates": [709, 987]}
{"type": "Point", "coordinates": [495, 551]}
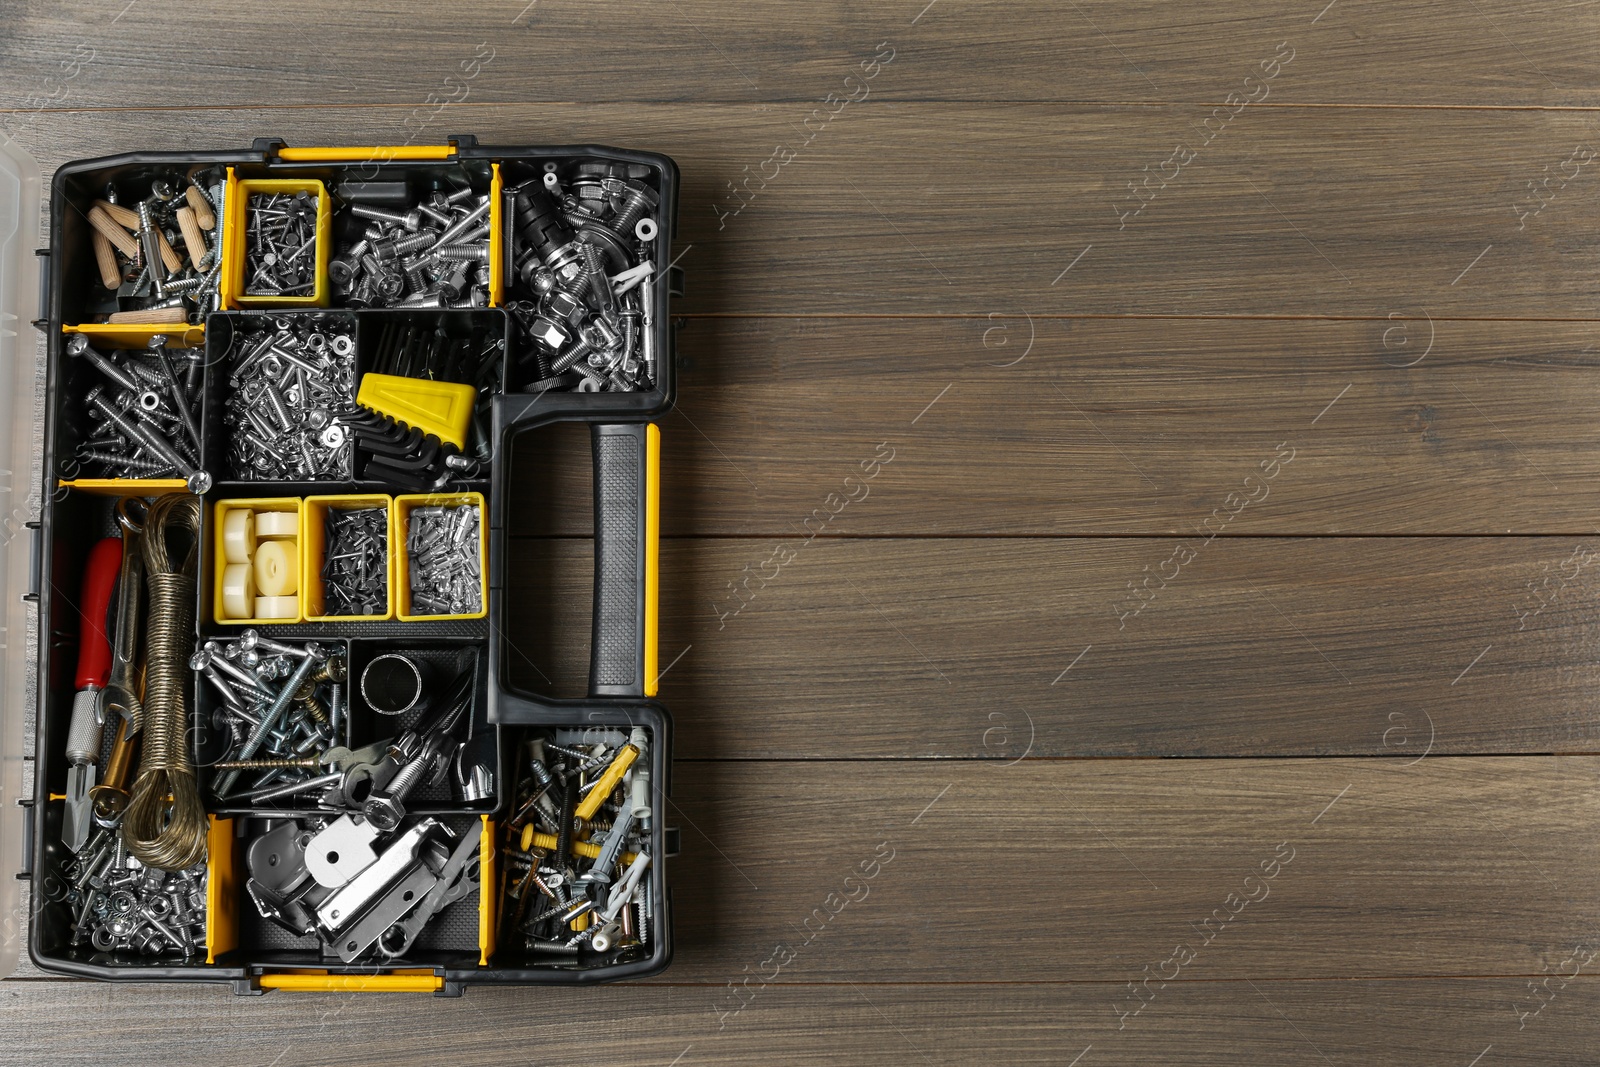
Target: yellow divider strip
{"type": "Point", "coordinates": [652, 555]}
{"type": "Point", "coordinates": [363, 153]}
{"type": "Point", "coordinates": [125, 486]}
{"type": "Point", "coordinates": [361, 983]}
{"type": "Point", "coordinates": [497, 244]}
{"type": "Point", "coordinates": [222, 890]}
{"type": "Point", "coordinates": [486, 893]}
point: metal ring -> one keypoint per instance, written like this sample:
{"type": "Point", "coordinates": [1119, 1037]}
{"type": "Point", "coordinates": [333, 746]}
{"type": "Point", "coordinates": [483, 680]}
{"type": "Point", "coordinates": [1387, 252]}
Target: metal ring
{"type": "Point", "coordinates": [126, 508]}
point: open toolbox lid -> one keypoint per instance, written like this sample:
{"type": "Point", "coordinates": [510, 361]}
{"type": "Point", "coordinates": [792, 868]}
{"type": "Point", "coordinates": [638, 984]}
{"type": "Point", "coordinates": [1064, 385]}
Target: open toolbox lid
{"type": "Point", "coordinates": [19, 348]}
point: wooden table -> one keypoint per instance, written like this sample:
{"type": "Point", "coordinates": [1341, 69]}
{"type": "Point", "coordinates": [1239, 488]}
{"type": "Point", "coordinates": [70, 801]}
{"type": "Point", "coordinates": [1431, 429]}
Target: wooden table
{"type": "Point", "coordinates": [1130, 531]}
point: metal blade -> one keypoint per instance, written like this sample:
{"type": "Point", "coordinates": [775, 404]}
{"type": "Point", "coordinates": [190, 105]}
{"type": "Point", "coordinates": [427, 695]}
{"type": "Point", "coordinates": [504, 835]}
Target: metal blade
{"type": "Point", "coordinates": [76, 821]}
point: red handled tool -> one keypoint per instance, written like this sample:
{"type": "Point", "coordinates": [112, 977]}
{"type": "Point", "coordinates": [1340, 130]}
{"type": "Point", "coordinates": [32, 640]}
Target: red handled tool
{"type": "Point", "coordinates": [94, 667]}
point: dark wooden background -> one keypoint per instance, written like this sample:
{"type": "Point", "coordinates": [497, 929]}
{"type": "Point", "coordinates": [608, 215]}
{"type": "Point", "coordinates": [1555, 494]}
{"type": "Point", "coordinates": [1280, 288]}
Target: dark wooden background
{"type": "Point", "coordinates": [1384, 665]}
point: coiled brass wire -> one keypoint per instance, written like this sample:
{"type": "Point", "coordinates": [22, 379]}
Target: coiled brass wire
{"type": "Point", "coordinates": [165, 822]}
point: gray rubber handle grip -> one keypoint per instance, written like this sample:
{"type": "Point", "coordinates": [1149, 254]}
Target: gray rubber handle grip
{"type": "Point", "coordinates": [83, 732]}
{"type": "Point", "coordinates": [623, 552]}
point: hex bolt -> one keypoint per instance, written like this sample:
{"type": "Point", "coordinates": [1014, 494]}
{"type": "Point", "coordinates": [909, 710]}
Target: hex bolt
{"type": "Point", "coordinates": [410, 220]}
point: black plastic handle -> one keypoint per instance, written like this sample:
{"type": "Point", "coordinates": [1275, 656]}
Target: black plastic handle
{"type": "Point", "coordinates": [622, 654]}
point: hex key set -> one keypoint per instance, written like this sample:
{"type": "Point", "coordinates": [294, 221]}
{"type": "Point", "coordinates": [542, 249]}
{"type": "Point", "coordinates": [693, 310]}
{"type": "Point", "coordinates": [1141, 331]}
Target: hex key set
{"type": "Point", "coordinates": [277, 744]}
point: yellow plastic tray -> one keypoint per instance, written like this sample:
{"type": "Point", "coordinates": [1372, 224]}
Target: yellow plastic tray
{"type": "Point", "coordinates": [313, 543]}
{"type": "Point", "coordinates": [239, 192]}
{"type": "Point", "coordinates": [400, 523]}
{"type": "Point", "coordinates": [219, 557]}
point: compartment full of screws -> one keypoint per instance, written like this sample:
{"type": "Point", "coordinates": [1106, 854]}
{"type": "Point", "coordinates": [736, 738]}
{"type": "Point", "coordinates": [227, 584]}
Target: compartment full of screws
{"type": "Point", "coordinates": [412, 250]}
{"type": "Point", "coordinates": [273, 725]}
{"type": "Point", "coordinates": [355, 559]}
{"type": "Point", "coordinates": [289, 376]}
{"type": "Point", "coordinates": [143, 410]}
{"type": "Point", "coordinates": [575, 850]}
{"type": "Point", "coordinates": [441, 569]}
{"type": "Point", "coordinates": [582, 277]}
{"type": "Point", "coordinates": [281, 242]}
{"type": "Point", "coordinates": [120, 906]}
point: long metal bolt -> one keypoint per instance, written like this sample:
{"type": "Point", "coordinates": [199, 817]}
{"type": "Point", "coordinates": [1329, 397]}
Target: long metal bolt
{"type": "Point", "coordinates": [269, 720]}
{"type": "Point", "coordinates": [409, 221]}
{"type": "Point", "coordinates": [152, 252]}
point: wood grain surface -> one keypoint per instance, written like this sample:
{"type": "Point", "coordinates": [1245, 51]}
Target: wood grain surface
{"type": "Point", "coordinates": [1090, 385]}
{"type": "Point", "coordinates": [1259, 646]}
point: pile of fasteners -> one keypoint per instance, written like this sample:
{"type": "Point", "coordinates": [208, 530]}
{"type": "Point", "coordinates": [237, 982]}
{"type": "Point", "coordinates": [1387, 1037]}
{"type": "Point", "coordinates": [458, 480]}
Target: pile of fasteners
{"type": "Point", "coordinates": [355, 566]}
{"type": "Point", "coordinates": [283, 707]}
{"type": "Point", "coordinates": [574, 848]}
{"type": "Point", "coordinates": [136, 249]}
{"type": "Point", "coordinates": [444, 564]}
{"type": "Point", "coordinates": [280, 250]}
{"type": "Point", "coordinates": [287, 384]}
{"type": "Point", "coordinates": [144, 417]}
{"type": "Point", "coordinates": [433, 254]}
{"type": "Point", "coordinates": [120, 905]}
{"type": "Point", "coordinates": [583, 279]}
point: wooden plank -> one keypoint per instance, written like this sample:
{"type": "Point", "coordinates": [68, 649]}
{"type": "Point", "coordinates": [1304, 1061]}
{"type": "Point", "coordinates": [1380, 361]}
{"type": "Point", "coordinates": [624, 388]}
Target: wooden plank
{"type": "Point", "coordinates": [1088, 871]}
{"type": "Point", "coordinates": [977, 647]}
{"type": "Point", "coordinates": [1206, 1024]}
{"type": "Point", "coordinates": [979, 208]}
{"type": "Point", "coordinates": [1418, 52]}
{"type": "Point", "coordinates": [1120, 426]}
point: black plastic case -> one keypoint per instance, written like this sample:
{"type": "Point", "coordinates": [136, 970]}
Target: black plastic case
{"type": "Point", "coordinates": [623, 667]}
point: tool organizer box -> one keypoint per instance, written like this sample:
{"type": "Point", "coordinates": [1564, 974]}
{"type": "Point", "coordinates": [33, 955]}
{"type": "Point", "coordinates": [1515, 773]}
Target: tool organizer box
{"type": "Point", "coordinates": [464, 943]}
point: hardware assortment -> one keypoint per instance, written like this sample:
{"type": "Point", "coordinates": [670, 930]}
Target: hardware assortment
{"type": "Point", "coordinates": [136, 248]}
{"type": "Point", "coordinates": [355, 562]}
{"type": "Point", "coordinates": [282, 706]}
{"type": "Point", "coordinates": [574, 850]}
{"type": "Point", "coordinates": [433, 252]}
{"type": "Point", "coordinates": [120, 905]}
{"type": "Point", "coordinates": [583, 279]}
{"type": "Point", "coordinates": [289, 376]}
{"type": "Point", "coordinates": [367, 874]}
{"type": "Point", "coordinates": [288, 752]}
{"type": "Point", "coordinates": [143, 413]}
{"type": "Point", "coordinates": [362, 891]}
{"type": "Point", "coordinates": [281, 229]}
{"type": "Point", "coordinates": [443, 557]}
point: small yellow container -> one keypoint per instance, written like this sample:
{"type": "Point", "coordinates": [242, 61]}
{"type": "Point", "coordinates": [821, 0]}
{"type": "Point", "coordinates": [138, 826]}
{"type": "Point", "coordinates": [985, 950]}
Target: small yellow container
{"type": "Point", "coordinates": [313, 543]}
{"type": "Point", "coordinates": [235, 242]}
{"type": "Point", "coordinates": [400, 524]}
{"type": "Point", "coordinates": [219, 556]}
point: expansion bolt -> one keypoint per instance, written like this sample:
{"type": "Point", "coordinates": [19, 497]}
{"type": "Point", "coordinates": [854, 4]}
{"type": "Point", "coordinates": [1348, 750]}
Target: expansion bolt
{"type": "Point", "coordinates": [152, 254]}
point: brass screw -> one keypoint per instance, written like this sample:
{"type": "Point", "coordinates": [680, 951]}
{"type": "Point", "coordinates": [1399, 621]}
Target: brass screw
{"type": "Point", "coordinates": [303, 763]}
